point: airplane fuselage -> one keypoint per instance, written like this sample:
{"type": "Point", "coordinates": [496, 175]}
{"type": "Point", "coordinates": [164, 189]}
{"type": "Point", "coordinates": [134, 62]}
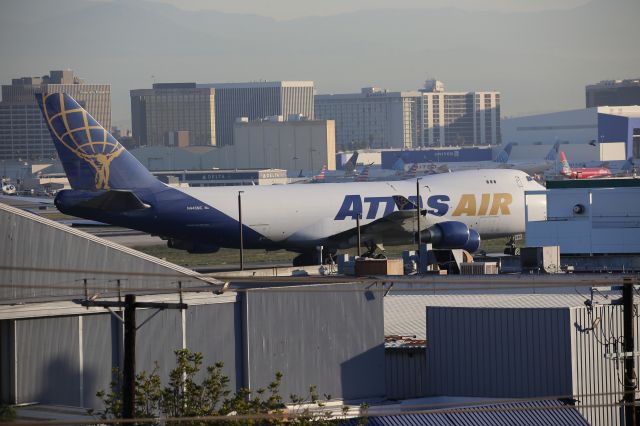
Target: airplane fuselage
{"type": "Point", "coordinates": [301, 217]}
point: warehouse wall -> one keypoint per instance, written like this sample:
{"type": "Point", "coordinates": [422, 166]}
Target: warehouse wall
{"type": "Point", "coordinates": [498, 353]}
{"type": "Point", "coordinates": [405, 372]}
{"type": "Point", "coordinates": [596, 378]}
{"type": "Point", "coordinates": [331, 339]}
{"type": "Point", "coordinates": [532, 352]}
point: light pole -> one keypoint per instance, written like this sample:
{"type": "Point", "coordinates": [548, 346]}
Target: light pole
{"type": "Point", "coordinates": [358, 227]}
{"type": "Point", "coordinates": [240, 229]}
{"type": "Point", "coordinates": [419, 239]}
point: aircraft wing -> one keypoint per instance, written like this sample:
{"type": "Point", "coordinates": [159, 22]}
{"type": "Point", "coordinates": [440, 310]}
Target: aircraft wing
{"type": "Point", "coordinates": [402, 221]}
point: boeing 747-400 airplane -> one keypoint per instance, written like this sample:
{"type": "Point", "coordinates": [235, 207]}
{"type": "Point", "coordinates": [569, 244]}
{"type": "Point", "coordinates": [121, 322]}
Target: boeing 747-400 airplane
{"type": "Point", "coordinates": [109, 185]}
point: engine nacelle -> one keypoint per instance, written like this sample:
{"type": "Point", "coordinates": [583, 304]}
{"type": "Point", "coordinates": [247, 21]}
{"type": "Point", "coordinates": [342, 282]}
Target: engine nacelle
{"type": "Point", "coordinates": [474, 241]}
{"type": "Point", "coordinates": [452, 235]}
{"type": "Point", "coordinates": [192, 246]}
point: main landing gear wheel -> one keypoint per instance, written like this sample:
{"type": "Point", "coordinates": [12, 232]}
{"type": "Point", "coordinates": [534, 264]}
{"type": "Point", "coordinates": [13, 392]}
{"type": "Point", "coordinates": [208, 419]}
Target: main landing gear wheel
{"type": "Point", "coordinates": [313, 257]}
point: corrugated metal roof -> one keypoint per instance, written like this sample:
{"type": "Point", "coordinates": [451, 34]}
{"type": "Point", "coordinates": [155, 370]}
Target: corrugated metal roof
{"type": "Point", "coordinates": [44, 260]}
{"type": "Point", "coordinates": [405, 315]}
{"type": "Point", "coordinates": [112, 245]}
{"type": "Point", "coordinates": [529, 413]}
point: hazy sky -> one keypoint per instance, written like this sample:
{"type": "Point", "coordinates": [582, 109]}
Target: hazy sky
{"type": "Point", "coordinates": [289, 9]}
{"type": "Point", "coordinates": [539, 54]}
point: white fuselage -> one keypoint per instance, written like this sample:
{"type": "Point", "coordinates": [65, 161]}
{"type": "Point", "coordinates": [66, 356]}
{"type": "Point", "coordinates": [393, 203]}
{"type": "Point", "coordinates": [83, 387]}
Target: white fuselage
{"type": "Point", "coordinates": [489, 201]}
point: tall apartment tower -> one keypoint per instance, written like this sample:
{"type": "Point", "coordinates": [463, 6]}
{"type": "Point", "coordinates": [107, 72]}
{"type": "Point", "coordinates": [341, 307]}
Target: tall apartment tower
{"type": "Point", "coordinates": [173, 114]}
{"type": "Point", "coordinates": [459, 118]}
{"type": "Point", "coordinates": [613, 93]}
{"type": "Point", "coordinates": [23, 132]}
{"type": "Point", "coordinates": [429, 117]}
{"type": "Point", "coordinates": [258, 100]}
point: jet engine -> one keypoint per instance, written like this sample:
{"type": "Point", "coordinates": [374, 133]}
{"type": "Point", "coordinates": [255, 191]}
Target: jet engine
{"type": "Point", "coordinates": [451, 235]}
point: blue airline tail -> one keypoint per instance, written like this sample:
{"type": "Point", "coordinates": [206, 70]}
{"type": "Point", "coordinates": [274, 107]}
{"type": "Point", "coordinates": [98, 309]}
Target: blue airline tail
{"type": "Point", "coordinates": [91, 157]}
{"type": "Point", "coordinates": [503, 156]}
{"type": "Point", "coordinates": [552, 155]}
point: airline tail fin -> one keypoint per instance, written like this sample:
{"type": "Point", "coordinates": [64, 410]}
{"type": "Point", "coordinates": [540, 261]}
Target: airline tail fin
{"type": "Point", "coordinates": [91, 157]}
{"type": "Point", "coordinates": [566, 168]}
{"type": "Point", "coordinates": [350, 165]}
{"type": "Point", "coordinates": [364, 176]}
{"type": "Point", "coordinates": [503, 156]}
{"type": "Point", "coordinates": [553, 152]}
{"type": "Point", "coordinates": [320, 176]}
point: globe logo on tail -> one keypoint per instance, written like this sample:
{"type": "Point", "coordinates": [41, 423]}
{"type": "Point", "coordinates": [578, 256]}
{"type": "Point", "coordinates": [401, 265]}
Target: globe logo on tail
{"type": "Point", "coordinates": [81, 134]}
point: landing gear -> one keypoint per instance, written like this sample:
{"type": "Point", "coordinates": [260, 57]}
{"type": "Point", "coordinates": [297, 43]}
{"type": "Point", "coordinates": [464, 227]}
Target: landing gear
{"type": "Point", "coordinates": [313, 257]}
{"type": "Point", "coordinates": [372, 249]}
{"type": "Point", "coordinates": [510, 246]}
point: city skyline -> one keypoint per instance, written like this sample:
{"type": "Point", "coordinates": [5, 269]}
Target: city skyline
{"type": "Point", "coordinates": [540, 60]}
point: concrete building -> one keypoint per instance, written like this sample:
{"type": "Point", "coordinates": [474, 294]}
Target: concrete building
{"type": "Point", "coordinates": [261, 144]}
{"type": "Point", "coordinates": [613, 93]}
{"type": "Point", "coordinates": [615, 131]}
{"type": "Point", "coordinates": [173, 114]}
{"type": "Point", "coordinates": [377, 118]}
{"type": "Point", "coordinates": [258, 100]}
{"type": "Point", "coordinates": [23, 132]}
{"type": "Point", "coordinates": [291, 145]}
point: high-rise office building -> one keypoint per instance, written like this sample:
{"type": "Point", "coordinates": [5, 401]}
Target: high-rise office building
{"type": "Point", "coordinates": [377, 118]}
{"type": "Point", "coordinates": [613, 93]}
{"type": "Point", "coordinates": [258, 100]}
{"type": "Point", "coordinates": [374, 118]}
{"type": "Point", "coordinates": [23, 132]}
{"type": "Point", "coordinates": [173, 114]}
{"type": "Point", "coordinates": [459, 118]}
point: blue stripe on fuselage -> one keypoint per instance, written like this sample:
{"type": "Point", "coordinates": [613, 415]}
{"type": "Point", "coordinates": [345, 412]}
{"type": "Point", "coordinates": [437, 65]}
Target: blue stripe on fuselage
{"type": "Point", "coordinates": [172, 214]}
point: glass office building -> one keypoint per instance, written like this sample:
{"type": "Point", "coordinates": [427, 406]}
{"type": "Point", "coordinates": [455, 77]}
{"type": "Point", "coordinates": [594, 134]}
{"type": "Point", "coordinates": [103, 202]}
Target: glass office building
{"type": "Point", "coordinates": [23, 132]}
{"type": "Point", "coordinates": [173, 114]}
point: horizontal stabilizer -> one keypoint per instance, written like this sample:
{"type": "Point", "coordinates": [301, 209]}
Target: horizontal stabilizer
{"type": "Point", "coordinates": [115, 201]}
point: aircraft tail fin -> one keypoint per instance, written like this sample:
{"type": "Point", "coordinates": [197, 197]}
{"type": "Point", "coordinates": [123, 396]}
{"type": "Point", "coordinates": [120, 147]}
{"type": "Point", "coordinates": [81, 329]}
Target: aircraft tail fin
{"type": "Point", "coordinates": [566, 168]}
{"type": "Point", "coordinates": [91, 157]}
{"type": "Point", "coordinates": [364, 176]}
{"type": "Point", "coordinates": [320, 176]}
{"type": "Point", "coordinates": [503, 156]}
{"type": "Point", "coordinates": [350, 165]}
{"type": "Point", "coordinates": [553, 152]}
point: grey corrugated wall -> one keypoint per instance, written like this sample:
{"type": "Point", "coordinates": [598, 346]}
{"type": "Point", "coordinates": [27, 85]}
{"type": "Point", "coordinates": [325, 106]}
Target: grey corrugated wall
{"type": "Point", "coordinates": [217, 334]}
{"type": "Point", "coordinates": [593, 374]}
{"type": "Point", "coordinates": [405, 372]}
{"type": "Point", "coordinates": [498, 353]}
{"type": "Point", "coordinates": [331, 339]}
{"type": "Point", "coordinates": [48, 360]}
{"type": "Point", "coordinates": [100, 354]}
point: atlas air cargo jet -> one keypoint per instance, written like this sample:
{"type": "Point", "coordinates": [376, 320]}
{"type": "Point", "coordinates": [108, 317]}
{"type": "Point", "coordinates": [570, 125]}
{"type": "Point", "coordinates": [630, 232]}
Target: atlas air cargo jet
{"type": "Point", "coordinates": [109, 185]}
